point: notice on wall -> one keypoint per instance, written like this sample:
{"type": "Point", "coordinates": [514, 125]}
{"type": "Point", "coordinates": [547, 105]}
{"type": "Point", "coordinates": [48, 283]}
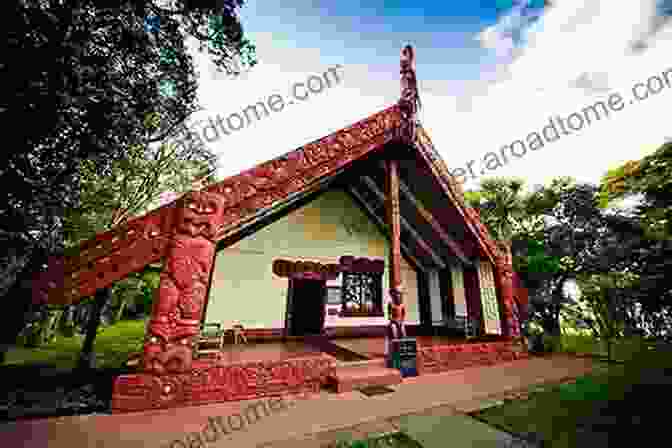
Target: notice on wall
{"type": "Point", "coordinates": [489, 299]}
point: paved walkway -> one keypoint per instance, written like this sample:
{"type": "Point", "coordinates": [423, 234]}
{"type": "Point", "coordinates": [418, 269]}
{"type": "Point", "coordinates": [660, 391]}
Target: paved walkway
{"type": "Point", "coordinates": [308, 422]}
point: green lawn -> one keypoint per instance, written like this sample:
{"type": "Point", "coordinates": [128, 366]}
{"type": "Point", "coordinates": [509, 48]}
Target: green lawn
{"type": "Point", "coordinates": [597, 407]}
{"type": "Point", "coordinates": [112, 347]}
{"type": "Point", "coordinates": [622, 350]}
{"type": "Point", "coordinates": [396, 440]}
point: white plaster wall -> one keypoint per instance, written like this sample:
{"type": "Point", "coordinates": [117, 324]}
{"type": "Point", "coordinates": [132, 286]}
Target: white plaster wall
{"type": "Point", "coordinates": [245, 289]}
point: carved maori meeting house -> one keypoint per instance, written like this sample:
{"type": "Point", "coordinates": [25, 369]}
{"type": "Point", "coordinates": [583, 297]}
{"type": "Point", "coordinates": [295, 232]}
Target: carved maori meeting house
{"type": "Point", "coordinates": [302, 251]}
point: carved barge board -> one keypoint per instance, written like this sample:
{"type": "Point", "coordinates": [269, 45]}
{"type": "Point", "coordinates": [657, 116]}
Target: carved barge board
{"type": "Point", "coordinates": [113, 255]}
{"type": "Point", "coordinates": [454, 191]}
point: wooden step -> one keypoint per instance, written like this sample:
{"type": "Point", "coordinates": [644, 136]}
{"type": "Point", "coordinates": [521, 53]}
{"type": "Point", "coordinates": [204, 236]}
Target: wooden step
{"type": "Point", "coordinates": [350, 376]}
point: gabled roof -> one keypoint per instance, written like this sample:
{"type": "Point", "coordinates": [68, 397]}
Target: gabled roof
{"type": "Point", "coordinates": [433, 202]}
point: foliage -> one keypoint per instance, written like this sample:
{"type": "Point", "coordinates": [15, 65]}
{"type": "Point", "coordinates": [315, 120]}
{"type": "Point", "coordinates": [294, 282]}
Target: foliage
{"type": "Point", "coordinates": [41, 328]}
{"type": "Point", "coordinates": [89, 76]}
{"type": "Point", "coordinates": [519, 219]}
{"type": "Point", "coordinates": [131, 186]}
{"type": "Point", "coordinates": [114, 344]}
{"type": "Point", "coordinates": [504, 208]}
{"type": "Point", "coordinates": [650, 182]}
{"type": "Point", "coordinates": [603, 295]}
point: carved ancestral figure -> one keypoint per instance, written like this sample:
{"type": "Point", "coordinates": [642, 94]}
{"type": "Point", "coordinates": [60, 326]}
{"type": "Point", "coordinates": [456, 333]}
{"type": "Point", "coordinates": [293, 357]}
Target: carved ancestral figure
{"type": "Point", "coordinates": [180, 298]}
{"type": "Point", "coordinates": [396, 310]}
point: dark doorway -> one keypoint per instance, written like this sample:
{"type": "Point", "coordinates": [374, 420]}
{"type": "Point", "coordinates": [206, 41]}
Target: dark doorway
{"type": "Point", "coordinates": [307, 309]}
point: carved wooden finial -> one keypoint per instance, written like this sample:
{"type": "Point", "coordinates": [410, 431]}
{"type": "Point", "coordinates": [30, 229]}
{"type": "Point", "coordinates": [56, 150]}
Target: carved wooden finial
{"type": "Point", "coordinates": [410, 100]}
{"type": "Point", "coordinates": [409, 85]}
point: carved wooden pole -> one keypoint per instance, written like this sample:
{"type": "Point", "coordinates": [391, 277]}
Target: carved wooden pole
{"type": "Point", "coordinates": [180, 299]}
{"type": "Point", "coordinates": [504, 270]}
{"type": "Point", "coordinates": [393, 219]}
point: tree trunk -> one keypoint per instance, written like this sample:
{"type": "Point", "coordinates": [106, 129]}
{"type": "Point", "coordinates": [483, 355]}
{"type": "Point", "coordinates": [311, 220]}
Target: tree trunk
{"type": "Point", "coordinates": [120, 311]}
{"type": "Point", "coordinates": [86, 360]}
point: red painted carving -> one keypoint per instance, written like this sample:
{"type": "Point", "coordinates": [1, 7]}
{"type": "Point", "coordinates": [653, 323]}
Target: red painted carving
{"type": "Point", "coordinates": [212, 382]}
{"type": "Point", "coordinates": [441, 358]}
{"type": "Point", "coordinates": [286, 268]}
{"type": "Point", "coordinates": [410, 99]}
{"type": "Point", "coordinates": [504, 273]}
{"type": "Point", "coordinates": [393, 220]}
{"type": "Point", "coordinates": [108, 257]}
{"type": "Point", "coordinates": [474, 218]}
{"type": "Point", "coordinates": [180, 298]}
{"type": "Point", "coordinates": [361, 265]}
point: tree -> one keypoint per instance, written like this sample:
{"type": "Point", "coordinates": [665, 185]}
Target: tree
{"type": "Point", "coordinates": [649, 182]}
{"type": "Point", "coordinates": [606, 297]}
{"type": "Point", "coordinates": [132, 186]}
{"type": "Point", "coordinates": [513, 218]}
{"type": "Point", "coordinates": [89, 76]}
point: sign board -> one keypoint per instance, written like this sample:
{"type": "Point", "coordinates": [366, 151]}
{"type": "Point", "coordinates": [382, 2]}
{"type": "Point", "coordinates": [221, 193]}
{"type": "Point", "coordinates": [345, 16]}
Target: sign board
{"type": "Point", "coordinates": [404, 356]}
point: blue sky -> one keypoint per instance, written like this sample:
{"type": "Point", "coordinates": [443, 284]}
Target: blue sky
{"type": "Point", "coordinates": [489, 72]}
{"type": "Point", "coordinates": [443, 32]}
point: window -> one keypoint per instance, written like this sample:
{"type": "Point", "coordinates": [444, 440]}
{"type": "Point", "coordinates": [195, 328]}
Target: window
{"type": "Point", "coordinates": [362, 294]}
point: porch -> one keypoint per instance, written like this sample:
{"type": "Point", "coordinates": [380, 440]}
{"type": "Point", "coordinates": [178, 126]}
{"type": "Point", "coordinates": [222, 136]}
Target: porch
{"type": "Point", "coordinates": [299, 366]}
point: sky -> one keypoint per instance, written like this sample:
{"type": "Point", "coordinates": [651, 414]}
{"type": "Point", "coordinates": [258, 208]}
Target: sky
{"type": "Point", "coordinates": [489, 72]}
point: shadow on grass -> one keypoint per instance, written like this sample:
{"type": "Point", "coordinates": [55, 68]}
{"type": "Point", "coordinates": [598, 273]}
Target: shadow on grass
{"type": "Point", "coordinates": [43, 382]}
{"type": "Point", "coordinates": [613, 403]}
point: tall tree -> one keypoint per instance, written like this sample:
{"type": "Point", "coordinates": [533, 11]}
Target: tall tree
{"type": "Point", "coordinates": [80, 79]}
{"type": "Point", "coordinates": [649, 183]}
{"type": "Point", "coordinates": [604, 297]}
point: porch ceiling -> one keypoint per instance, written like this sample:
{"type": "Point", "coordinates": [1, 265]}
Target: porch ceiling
{"type": "Point", "coordinates": [432, 231]}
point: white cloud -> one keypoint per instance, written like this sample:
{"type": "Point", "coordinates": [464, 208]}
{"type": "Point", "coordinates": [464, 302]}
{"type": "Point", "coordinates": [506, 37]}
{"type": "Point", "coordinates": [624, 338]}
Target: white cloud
{"type": "Point", "coordinates": [550, 72]}
{"type": "Point", "coordinates": [572, 47]}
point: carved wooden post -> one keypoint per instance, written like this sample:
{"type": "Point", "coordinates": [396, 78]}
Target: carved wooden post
{"type": "Point", "coordinates": [180, 298]}
{"type": "Point", "coordinates": [504, 268]}
{"type": "Point", "coordinates": [393, 219]}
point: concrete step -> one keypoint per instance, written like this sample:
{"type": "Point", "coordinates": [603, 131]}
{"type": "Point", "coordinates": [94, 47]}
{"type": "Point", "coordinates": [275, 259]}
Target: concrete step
{"type": "Point", "coordinates": [350, 377]}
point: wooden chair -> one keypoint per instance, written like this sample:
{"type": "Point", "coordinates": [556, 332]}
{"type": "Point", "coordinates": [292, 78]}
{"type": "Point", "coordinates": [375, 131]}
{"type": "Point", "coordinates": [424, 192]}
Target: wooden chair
{"type": "Point", "coordinates": [211, 334]}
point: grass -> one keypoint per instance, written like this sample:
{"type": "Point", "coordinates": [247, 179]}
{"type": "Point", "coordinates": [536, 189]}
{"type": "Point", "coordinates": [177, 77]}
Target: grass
{"type": "Point", "coordinates": [112, 346]}
{"type": "Point", "coordinates": [622, 349]}
{"type": "Point", "coordinates": [590, 410]}
{"type": "Point", "coordinates": [396, 440]}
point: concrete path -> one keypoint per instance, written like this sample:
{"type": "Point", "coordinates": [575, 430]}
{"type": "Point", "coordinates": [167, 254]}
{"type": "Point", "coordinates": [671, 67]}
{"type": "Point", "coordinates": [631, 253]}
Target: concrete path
{"type": "Point", "coordinates": [298, 422]}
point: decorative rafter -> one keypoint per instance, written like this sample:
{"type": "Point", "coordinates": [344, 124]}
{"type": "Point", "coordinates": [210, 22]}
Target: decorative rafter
{"type": "Point", "coordinates": [427, 216]}
{"type": "Point", "coordinates": [406, 251]}
{"type": "Point", "coordinates": [404, 223]}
